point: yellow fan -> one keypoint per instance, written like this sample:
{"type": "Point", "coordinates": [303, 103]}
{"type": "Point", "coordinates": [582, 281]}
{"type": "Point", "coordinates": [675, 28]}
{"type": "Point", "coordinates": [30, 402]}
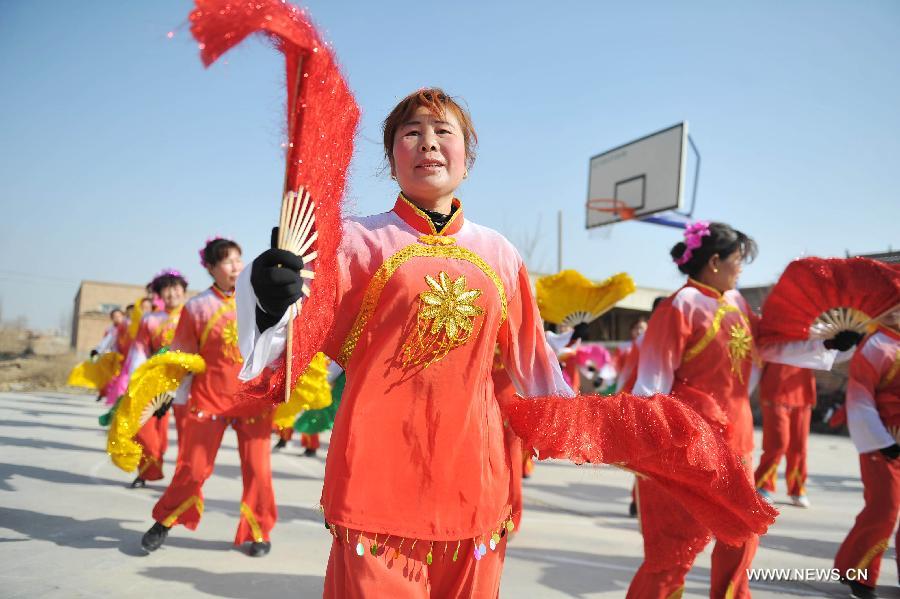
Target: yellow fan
{"type": "Point", "coordinates": [569, 298]}
{"type": "Point", "coordinates": [311, 393]}
{"type": "Point", "coordinates": [156, 377]}
{"type": "Point", "coordinates": [95, 374]}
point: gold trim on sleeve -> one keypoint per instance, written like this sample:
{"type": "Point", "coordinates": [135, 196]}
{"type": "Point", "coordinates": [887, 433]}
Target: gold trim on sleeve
{"type": "Point", "coordinates": [390, 266]}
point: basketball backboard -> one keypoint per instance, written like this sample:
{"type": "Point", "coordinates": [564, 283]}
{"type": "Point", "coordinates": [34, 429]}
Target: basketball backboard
{"type": "Point", "coordinates": [640, 179]}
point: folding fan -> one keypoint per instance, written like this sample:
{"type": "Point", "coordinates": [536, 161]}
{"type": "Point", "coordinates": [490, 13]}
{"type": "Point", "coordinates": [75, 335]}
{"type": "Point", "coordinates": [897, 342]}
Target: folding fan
{"type": "Point", "coordinates": [816, 298]}
{"type": "Point", "coordinates": [569, 298]}
{"type": "Point", "coordinates": [321, 121]}
{"type": "Point", "coordinates": [158, 402]}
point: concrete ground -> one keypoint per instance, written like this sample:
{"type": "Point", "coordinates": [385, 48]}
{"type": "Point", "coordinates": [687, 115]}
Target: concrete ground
{"type": "Point", "coordinates": [69, 527]}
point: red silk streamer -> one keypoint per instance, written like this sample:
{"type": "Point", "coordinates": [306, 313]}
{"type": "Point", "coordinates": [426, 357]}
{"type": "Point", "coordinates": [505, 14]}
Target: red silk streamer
{"type": "Point", "coordinates": [658, 437]}
{"type": "Point", "coordinates": [811, 286]}
{"type": "Point", "coordinates": [322, 117]}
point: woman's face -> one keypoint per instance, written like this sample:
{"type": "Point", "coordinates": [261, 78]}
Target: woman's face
{"type": "Point", "coordinates": [429, 156]}
{"type": "Point", "coordinates": [729, 270]}
{"type": "Point", "coordinates": [172, 296]}
{"type": "Point", "coordinates": [226, 272]}
{"type": "Point", "coordinates": [146, 306]}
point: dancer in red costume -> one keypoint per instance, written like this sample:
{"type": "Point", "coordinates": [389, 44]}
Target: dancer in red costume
{"type": "Point", "coordinates": [417, 480]}
{"type": "Point", "coordinates": [208, 328]}
{"type": "Point", "coordinates": [873, 416]}
{"type": "Point", "coordinates": [787, 395]}
{"type": "Point", "coordinates": [156, 332]}
{"type": "Point", "coordinates": [699, 347]}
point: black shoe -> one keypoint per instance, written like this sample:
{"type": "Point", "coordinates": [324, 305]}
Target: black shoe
{"type": "Point", "coordinates": [259, 549]}
{"type": "Point", "coordinates": [99, 397]}
{"type": "Point", "coordinates": [632, 509]}
{"type": "Point", "coordinates": [138, 483]}
{"type": "Point", "coordinates": [155, 537]}
{"type": "Point", "coordinates": [282, 443]}
{"type": "Point", "coordinates": [859, 591]}
{"type": "Point", "coordinates": [310, 453]}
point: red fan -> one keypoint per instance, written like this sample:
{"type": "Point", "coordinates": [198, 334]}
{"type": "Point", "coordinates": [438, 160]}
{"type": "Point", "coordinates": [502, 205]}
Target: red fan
{"type": "Point", "coordinates": [815, 298]}
{"type": "Point", "coordinates": [322, 116]}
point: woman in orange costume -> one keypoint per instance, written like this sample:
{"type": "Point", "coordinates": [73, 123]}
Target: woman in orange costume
{"type": "Point", "coordinates": [787, 395]}
{"type": "Point", "coordinates": [208, 328]}
{"type": "Point", "coordinates": [155, 332]}
{"type": "Point", "coordinates": [699, 347]}
{"type": "Point", "coordinates": [873, 416]}
{"type": "Point", "coordinates": [417, 479]}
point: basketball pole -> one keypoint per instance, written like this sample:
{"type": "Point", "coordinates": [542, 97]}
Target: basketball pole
{"type": "Point", "coordinates": [559, 241]}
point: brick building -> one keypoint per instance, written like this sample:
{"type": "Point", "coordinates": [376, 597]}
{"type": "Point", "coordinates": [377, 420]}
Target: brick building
{"type": "Point", "coordinates": [93, 303]}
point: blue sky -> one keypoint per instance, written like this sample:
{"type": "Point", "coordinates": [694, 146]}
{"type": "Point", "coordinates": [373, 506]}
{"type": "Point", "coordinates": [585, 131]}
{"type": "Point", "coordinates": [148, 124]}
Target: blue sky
{"type": "Point", "coordinates": [121, 154]}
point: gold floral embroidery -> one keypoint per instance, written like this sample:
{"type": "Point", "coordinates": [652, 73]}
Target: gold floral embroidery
{"type": "Point", "coordinates": [167, 330]}
{"type": "Point", "coordinates": [739, 346]}
{"type": "Point", "coordinates": [387, 270]}
{"type": "Point", "coordinates": [446, 320]}
{"type": "Point", "coordinates": [168, 335]}
{"type": "Point", "coordinates": [230, 342]}
{"type": "Point", "coordinates": [740, 343]}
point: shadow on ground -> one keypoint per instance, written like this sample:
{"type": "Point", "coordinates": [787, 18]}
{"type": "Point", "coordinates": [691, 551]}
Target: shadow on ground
{"type": "Point", "coordinates": [241, 584]}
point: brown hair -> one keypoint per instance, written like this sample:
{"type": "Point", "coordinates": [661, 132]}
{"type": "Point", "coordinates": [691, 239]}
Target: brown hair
{"type": "Point", "coordinates": [217, 250]}
{"type": "Point", "coordinates": [438, 103]}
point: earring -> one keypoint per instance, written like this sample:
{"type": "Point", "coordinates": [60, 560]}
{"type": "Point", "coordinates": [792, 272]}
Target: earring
{"type": "Point", "coordinates": [716, 270]}
{"type": "Point", "coordinates": [466, 174]}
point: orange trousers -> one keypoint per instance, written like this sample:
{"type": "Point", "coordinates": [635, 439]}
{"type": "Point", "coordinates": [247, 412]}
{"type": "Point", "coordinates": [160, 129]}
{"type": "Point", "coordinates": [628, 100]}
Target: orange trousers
{"type": "Point", "coordinates": [404, 573]}
{"type": "Point", "coordinates": [672, 540]}
{"type": "Point", "coordinates": [785, 432]}
{"type": "Point", "coordinates": [309, 441]}
{"type": "Point", "coordinates": [876, 523]}
{"type": "Point", "coordinates": [182, 503]}
{"type": "Point", "coordinates": [153, 439]}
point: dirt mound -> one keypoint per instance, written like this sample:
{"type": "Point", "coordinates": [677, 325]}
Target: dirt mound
{"type": "Point", "coordinates": [36, 372]}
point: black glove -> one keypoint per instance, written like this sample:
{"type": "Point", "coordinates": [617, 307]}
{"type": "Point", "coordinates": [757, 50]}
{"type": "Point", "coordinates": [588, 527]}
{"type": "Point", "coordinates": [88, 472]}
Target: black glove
{"type": "Point", "coordinates": [161, 411]}
{"type": "Point", "coordinates": [276, 281]}
{"type": "Point", "coordinates": [844, 340]}
{"type": "Point", "coordinates": [891, 452]}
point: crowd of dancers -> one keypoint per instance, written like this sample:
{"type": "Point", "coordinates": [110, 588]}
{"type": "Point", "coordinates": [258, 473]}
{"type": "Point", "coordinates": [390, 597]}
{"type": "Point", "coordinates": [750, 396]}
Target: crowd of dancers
{"type": "Point", "coordinates": [437, 355]}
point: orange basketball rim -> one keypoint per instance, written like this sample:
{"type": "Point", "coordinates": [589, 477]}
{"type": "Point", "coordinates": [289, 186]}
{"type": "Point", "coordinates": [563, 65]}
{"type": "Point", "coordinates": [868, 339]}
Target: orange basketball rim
{"type": "Point", "coordinates": [611, 206]}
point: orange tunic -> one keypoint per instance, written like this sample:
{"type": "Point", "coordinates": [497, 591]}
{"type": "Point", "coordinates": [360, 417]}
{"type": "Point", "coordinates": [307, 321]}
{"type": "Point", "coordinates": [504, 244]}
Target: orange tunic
{"type": "Point", "coordinates": [699, 346]}
{"type": "Point", "coordinates": [418, 447]}
{"type": "Point", "coordinates": [155, 332]}
{"type": "Point", "coordinates": [208, 327]}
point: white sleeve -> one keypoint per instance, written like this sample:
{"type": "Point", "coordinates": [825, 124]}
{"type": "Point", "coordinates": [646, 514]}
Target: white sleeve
{"type": "Point", "coordinates": [258, 349]}
{"type": "Point", "coordinates": [755, 376]}
{"type": "Point", "coordinates": [334, 371]}
{"type": "Point", "coordinates": [136, 357]}
{"type": "Point", "coordinates": [108, 343]}
{"type": "Point", "coordinates": [804, 354]}
{"type": "Point", "coordinates": [866, 427]}
{"type": "Point", "coordinates": [183, 392]}
{"type": "Point", "coordinates": [653, 380]}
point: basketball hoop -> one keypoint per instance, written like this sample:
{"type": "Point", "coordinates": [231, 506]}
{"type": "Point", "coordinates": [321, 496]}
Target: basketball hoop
{"type": "Point", "coordinates": [612, 206]}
